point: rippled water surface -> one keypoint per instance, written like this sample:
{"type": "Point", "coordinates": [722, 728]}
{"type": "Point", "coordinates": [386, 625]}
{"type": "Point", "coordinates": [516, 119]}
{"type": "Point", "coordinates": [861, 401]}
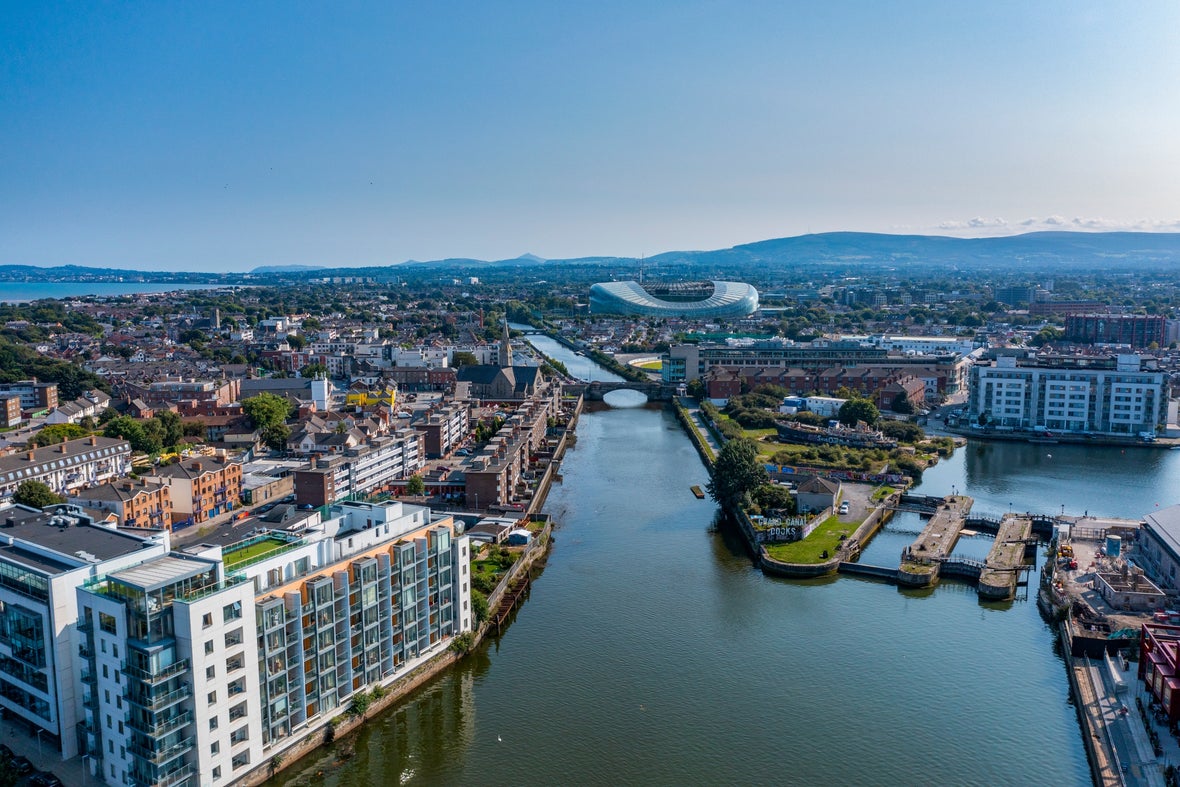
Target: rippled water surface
{"type": "Point", "coordinates": [650, 651]}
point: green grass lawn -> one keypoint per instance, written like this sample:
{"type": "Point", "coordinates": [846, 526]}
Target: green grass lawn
{"type": "Point", "coordinates": [654, 366]}
{"type": "Point", "coordinates": [487, 568]}
{"type": "Point", "coordinates": [252, 551]}
{"type": "Point", "coordinates": [882, 492]}
{"type": "Point", "coordinates": [810, 549]}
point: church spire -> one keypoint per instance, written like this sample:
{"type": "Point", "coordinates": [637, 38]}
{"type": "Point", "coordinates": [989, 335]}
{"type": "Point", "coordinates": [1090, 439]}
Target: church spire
{"type": "Point", "coordinates": [506, 348]}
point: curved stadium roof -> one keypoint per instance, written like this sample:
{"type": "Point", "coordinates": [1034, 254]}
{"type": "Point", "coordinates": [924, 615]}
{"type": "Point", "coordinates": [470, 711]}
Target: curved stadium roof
{"type": "Point", "coordinates": [729, 299]}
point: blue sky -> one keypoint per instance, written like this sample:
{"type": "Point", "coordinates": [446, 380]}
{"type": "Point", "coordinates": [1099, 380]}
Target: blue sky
{"type": "Point", "coordinates": [222, 136]}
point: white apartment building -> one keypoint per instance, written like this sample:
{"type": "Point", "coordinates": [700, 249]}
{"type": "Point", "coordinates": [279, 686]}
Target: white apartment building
{"type": "Point", "coordinates": [207, 662]}
{"type": "Point", "coordinates": [1085, 395]}
{"type": "Point", "coordinates": [44, 558]}
{"type": "Point", "coordinates": [66, 466]}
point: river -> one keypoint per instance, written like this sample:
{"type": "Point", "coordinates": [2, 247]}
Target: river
{"type": "Point", "coordinates": [651, 651]}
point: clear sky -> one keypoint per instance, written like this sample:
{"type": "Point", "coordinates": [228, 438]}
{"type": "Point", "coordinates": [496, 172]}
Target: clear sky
{"type": "Point", "coordinates": [221, 136]}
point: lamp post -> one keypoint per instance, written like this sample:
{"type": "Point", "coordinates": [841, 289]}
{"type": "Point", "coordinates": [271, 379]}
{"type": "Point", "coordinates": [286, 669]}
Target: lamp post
{"type": "Point", "coordinates": [38, 732]}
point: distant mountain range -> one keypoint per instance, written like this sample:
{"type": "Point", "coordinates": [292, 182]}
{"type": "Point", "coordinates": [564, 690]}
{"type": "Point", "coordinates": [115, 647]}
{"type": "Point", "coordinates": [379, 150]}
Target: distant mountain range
{"type": "Point", "coordinates": [1084, 249]}
{"type": "Point", "coordinates": [1077, 250]}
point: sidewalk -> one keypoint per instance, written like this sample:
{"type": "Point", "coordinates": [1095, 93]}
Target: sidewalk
{"type": "Point", "coordinates": [44, 755]}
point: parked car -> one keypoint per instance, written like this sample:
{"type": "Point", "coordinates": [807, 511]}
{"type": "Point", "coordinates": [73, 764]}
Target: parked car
{"type": "Point", "coordinates": [844, 508]}
{"type": "Point", "coordinates": [22, 764]}
{"type": "Point", "coordinates": [45, 779]}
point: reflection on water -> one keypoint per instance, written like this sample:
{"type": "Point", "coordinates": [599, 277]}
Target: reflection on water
{"type": "Point", "coordinates": [652, 651]}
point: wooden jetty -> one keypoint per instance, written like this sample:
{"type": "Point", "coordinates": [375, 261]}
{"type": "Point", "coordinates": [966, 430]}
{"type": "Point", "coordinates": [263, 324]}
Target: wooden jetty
{"type": "Point", "coordinates": [512, 596]}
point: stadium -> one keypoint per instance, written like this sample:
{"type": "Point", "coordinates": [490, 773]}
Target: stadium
{"type": "Point", "coordinates": [687, 299]}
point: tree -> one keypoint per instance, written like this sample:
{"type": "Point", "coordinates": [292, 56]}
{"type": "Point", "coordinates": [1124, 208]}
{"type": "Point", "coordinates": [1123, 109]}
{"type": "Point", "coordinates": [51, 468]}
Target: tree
{"type": "Point", "coordinates": [295, 341]}
{"type": "Point", "coordinates": [463, 358]}
{"type": "Point", "coordinates": [415, 485]}
{"type": "Point", "coordinates": [266, 410]}
{"type": "Point", "coordinates": [902, 404]}
{"type": "Point", "coordinates": [171, 427]}
{"type": "Point", "coordinates": [774, 497]}
{"type": "Point", "coordinates": [35, 495]}
{"type": "Point", "coordinates": [736, 473]}
{"type": "Point", "coordinates": [479, 606]}
{"type": "Point", "coordinates": [144, 436]}
{"type": "Point", "coordinates": [903, 432]}
{"type": "Point", "coordinates": [855, 410]}
{"type": "Point", "coordinates": [696, 389]}
{"type": "Point", "coordinates": [314, 370]}
{"type": "Point", "coordinates": [58, 433]}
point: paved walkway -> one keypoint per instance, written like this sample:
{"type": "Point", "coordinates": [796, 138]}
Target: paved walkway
{"type": "Point", "coordinates": [44, 755]}
{"type": "Point", "coordinates": [1119, 714]}
{"type": "Point", "coordinates": [698, 419]}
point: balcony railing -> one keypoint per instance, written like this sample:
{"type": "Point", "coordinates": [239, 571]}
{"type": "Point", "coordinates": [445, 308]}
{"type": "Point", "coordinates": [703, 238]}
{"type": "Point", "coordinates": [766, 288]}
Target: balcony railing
{"type": "Point", "coordinates": [159, 703]}
{"type": "Point", "coordinates": [162, 728]}
{"type": "Point", "coordinates": [171, 671]}
{"type": "Point", "coordinates": [164, 755]}
{"type": "Point", "coordinates": [176, 776]}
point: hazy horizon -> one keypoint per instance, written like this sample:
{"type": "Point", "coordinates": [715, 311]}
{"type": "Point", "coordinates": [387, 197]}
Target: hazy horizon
{"type": "Point", "coordinates": [227, 136]}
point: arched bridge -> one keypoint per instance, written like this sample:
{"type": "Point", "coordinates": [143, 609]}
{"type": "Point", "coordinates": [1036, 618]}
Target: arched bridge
{"type": "Point", "coordinates": [595, 390]}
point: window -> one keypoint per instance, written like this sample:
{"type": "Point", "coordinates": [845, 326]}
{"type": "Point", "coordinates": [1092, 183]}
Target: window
{"type": "Point", "coordinates": [233, 638]}
{"type": "Point", "coordinates": [215, 747]}
{"type": "Point", "coordinates": [210, 672]}
{"type": "Point", "coordinates": [231, 611]}
{"type": "Point", "coordinates": [212, 698]}
{"type": "Point", "coordinates": [240, 734]}
{"type": "Point", "coordinates": [237, 711]}
{"type": "Point", "coordinates": [213, 723]}
{"type": "Point", "coordinates": [216, 773]}
{"type": "Point", "coordinates": [209, 647]}
{"type": "Point", "coordinates": [207, 620]}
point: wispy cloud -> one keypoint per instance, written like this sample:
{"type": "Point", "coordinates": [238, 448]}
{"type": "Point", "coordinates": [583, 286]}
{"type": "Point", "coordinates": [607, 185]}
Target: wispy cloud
{"type": "Point", "coordinates": [980, 225]}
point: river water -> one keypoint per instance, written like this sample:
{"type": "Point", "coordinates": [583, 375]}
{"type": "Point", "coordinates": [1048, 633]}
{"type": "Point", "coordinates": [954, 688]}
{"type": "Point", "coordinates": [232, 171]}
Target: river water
{"type": "Point", "coordinates": [651, 651]}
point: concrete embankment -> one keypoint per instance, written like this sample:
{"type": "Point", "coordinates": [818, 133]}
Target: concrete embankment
{"type": "Point", "coordinates": [845, 553]}
{"type": "Point", "coordinates": [1001, 572]}
{"type": "Point", "coordinates": [434, 662]}
{"type": "Point", "coordinates": [922, 560]}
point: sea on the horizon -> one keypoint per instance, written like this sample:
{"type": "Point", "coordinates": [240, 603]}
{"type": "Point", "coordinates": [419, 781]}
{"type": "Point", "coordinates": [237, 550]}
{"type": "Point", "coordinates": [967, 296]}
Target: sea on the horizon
{"type": "Point", "coordinates": [24, 291]}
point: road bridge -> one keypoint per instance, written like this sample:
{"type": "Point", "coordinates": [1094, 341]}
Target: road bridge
{"type": "Point", "coordinates": [654, 390]}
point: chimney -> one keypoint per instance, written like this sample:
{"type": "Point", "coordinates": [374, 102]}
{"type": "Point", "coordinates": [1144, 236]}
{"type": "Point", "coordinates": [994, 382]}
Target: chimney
{"type": "Point", "coordinates": [63, 446]}
{"type": "Point", "coordinates": [32, 456]}
{"type": "Point", "coordinates": [93, 440]}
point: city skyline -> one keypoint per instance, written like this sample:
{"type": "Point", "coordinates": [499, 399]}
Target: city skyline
{"type": "Point", "coordinates": [229, 137]}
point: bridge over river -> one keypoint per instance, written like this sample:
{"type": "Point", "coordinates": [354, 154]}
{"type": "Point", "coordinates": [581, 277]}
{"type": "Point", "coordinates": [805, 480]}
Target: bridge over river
{"type": "Point", "coordinates": [654, 390]}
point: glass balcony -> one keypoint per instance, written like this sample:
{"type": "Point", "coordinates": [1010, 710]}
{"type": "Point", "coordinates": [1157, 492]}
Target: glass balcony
{"type": "Point", "coordinates": [164, 755]}
{"type": "Point", "coordinates": [177, 776]}
{"type": "Point", "coordinates": [158, 703]}
{"type": "Point", "coordinates": [162, 728]}
{"type": "Point", "coordinates": [171, 671]}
